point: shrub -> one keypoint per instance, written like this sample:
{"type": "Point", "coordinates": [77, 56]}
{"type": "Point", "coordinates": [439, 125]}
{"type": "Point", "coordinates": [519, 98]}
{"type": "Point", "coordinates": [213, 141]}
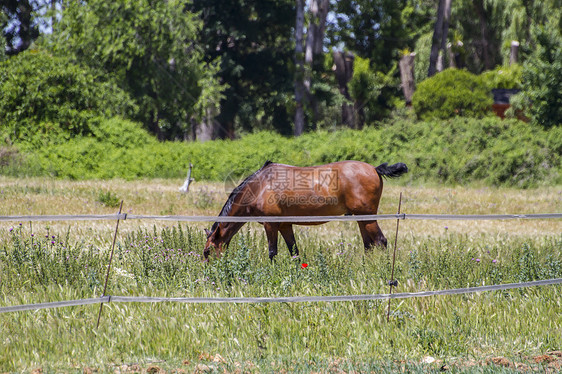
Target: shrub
{"type": "Point", "coordinates": [458, 150]}
{"type": "Point", "coordinates": [116, 148]}
{"type": "Point", "coordinates": [507, 77]}
{"type": "Point", "coordinates": [45, 97]}
{"type": "Point", "coordinates": [121, 132]}
{"type": "Point", "coordinates": [451, 93]}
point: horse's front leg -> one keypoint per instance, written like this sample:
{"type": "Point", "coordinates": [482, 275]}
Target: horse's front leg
{"type": "Point", "coordinates": [286, 230]}
{"type": "Point", "coordinates": [271, 231]}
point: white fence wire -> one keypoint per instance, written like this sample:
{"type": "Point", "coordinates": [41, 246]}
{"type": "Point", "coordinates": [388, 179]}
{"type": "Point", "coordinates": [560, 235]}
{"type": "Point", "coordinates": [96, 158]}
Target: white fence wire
{"type": "Point", "coordinates": [367, 217]}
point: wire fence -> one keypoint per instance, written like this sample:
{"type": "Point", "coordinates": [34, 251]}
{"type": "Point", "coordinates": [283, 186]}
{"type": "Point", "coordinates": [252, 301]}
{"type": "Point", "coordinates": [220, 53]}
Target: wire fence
{"type": "Point", "coordinates": [296, 219]}
{"type": "Point", "coordinates": [261, 300]}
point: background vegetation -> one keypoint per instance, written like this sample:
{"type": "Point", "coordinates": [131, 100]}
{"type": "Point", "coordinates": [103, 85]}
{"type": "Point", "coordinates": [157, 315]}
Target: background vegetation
{"type": "Point", "coordinates": [205, 69]}
{"type": "Point", "coordinates": [98, 90]}
{"type": "Point", "coordinates": [454, 151]}
{"type": "Point", "coordinates": [114, 90]}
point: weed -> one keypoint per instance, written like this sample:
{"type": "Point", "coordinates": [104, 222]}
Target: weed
{"type": "Point", "coordinates": [108, 199]}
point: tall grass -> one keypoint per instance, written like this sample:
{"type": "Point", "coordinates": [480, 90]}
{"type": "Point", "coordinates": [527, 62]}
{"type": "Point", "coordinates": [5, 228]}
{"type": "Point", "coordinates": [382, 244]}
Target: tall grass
{"type": "Point", "coordinates": [271, 337]}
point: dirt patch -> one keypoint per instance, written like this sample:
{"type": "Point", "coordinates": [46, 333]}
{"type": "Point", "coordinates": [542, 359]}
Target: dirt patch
{"type": "Point", "coordinates": [550, 362]}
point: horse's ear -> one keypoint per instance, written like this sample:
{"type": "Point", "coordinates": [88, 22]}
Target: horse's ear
{"type": "Point", "coordinates": [207, 232]}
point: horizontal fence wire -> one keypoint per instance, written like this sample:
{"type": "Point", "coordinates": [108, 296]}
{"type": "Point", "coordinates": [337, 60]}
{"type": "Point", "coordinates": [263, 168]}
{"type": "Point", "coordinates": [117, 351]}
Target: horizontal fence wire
{"type": "Point", "coordinates": [64, 217]}
{"type": "Point", "coordinates": [295, 219]}
{"type": "Point", "coordinates": [291, 299]}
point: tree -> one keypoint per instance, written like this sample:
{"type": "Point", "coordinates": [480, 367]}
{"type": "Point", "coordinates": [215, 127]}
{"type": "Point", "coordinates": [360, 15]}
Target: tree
{"type": "Point", "coordinates": [313, 57]}
{"type": "Point", "coordinates": [343, 63]}
{"type": "Point", "coordinates": [252, 38]}
{"type": "Point", "coordinates": [480, 24]}
{"type": "Point", "coordinates": [299, 71]}
{"type": "Point", "coordinates": [149, 48]}
{"type": "Point", "coordinates": [440, 33]}
{"type": "Point", "coordinates": [48, 98]}
{"type": "Point", "coordinates": [378, 29]}
{"type": "Point", "coordinates": [20, 29]}
{"type": "Point", "coordinates": [376, 32]}
{"type": "Point", "coordinates": [542, 76]}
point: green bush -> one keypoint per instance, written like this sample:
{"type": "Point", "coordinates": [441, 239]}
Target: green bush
{"type": "Point", "coordinates": [452, 93]}
{"type": "Point", "coordinates": [45, 97]}
{"type": "Point", "coordinates": [507, 77]}
{"type": "Point", "coordinates": [459, 150]}
{"type": "Point", "coordinates": [116, 148]}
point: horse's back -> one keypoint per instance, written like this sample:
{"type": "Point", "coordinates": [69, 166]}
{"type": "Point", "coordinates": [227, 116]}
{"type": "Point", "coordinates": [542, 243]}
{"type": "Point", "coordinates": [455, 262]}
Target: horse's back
{"type": "Point", "coordinates": [331, 189]}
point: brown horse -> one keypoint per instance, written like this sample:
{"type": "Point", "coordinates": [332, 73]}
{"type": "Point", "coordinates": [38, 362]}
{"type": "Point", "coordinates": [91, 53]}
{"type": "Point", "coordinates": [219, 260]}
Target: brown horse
{"type": "Point", "coordinates": [345, 187]}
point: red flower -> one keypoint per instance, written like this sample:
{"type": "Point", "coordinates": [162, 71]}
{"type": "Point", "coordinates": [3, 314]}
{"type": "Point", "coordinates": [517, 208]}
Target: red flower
{"type": "Point", "coordinates": [303, 266]}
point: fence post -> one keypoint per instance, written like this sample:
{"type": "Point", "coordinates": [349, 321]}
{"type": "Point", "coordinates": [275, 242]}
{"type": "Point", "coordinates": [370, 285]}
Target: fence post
{"type": "Point", "coordinates": [392, 281]}
{"type": "Point", "coordinates": [109, 264]}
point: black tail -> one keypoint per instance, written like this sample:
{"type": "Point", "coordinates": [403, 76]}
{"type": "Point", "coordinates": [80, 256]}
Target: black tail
{"type": "Point", "coordinates": [392, 171]}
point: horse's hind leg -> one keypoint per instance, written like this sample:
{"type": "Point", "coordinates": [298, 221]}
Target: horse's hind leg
{"type": "Point", "coordinates": [286, 230]}
{"type": "Point", "coordinates": [371, 234]}
{"type": "Point", "coordinates": [367, 241]}
{"type": "Point", "coordinates": [271, 231]}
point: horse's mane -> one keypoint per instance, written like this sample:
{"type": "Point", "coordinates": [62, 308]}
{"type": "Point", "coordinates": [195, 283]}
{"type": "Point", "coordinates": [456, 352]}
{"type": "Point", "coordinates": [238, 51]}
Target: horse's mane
{"type": "Point", "coordinates": [225, 211]}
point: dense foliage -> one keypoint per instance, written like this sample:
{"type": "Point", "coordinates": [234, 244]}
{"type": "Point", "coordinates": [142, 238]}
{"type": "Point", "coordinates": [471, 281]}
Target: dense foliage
{"type": "Point", "coordinates": [374, 92]}
{"type": "Point", "coordinates": [452, 93]}
{"type": "Point", "coordinates": [252, 39]}
{"type": "Point", "coordinates": [459, 150]}
{"type": "Point", "coordinates": [542, 78]}
{"type": "Point", "coordinates": [89, 97]}
{"type": "Point", "coordinates": [508, 77]}
{"type": "Point", "coordinates": [207, 69]}
{"type": "Point", "coordinates": [46, 98]}
{"type": "Point", "coordinates": [148, 49]}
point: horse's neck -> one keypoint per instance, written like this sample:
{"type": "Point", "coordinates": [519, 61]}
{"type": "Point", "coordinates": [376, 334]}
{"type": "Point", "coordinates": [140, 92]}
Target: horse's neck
{"type": "Point", "coordinates": [230, 229]}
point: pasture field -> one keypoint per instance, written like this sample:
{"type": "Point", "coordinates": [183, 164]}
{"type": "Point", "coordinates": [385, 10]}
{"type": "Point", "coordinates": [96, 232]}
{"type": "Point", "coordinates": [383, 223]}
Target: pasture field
{"type": "Point", "coordinates": [502, 331]}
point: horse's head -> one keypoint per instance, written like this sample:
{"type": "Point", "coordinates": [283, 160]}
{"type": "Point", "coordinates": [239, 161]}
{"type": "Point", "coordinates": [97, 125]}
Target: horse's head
{"type": "Point", "coordinates": [214, 240]}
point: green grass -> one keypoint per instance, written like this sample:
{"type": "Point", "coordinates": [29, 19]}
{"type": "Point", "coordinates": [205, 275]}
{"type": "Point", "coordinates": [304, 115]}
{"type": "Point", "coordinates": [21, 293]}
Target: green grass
{"type": "Point", "coordinates": [270, 337]}
{"type": "Point", "coordinates": [67, 260]}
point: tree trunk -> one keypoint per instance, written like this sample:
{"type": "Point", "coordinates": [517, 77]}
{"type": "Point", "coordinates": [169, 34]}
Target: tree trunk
{"type": "Point", "coordinates": [451, 53]}
{"type": "Point", "coordinates": [324, 6]}
{"type": "Point", "coordinates": [206, 129]}
{"type": "Point", "coordinates": [314, 44]}
{"type": "Point", "coordinates": [514, 52]}
{"type": "Point", "coordinates": [344, 72]}
{"type": "Point", "coordinates": [154, 125]}
{"type": "Point", "coordinates": [484, 34]}
{"type": "Point", "coordinates": [440, 33]}
{"type": "Point", "coordinates": [445, 33]}
{"type": "Point", "coordinates": [407, 76]}
{"type": "Point", "coordinates": [299, 73]}
{"type": "Point", "coordinates": [440, 62]}
{"type": "Point", "coordinates": [436, 40]}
